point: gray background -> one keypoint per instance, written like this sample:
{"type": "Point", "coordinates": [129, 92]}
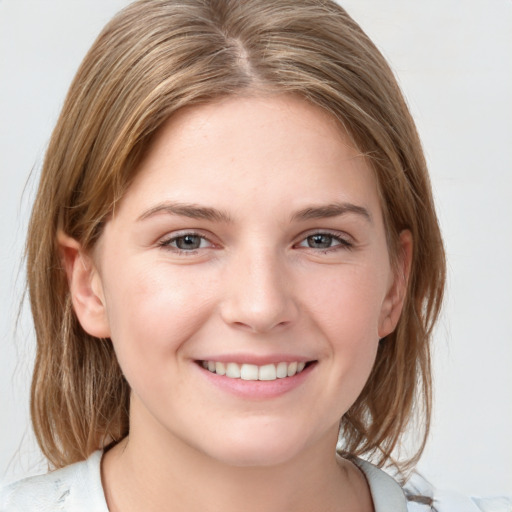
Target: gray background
{"type": "Point", "coordinates": [453, 60]}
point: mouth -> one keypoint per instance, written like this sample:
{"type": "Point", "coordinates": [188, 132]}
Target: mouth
{"type": "Point", "coordinates": [266, 372]}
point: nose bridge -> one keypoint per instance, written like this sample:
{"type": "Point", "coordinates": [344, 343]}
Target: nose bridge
{"type": "Point", "coordinates": [259, 294]}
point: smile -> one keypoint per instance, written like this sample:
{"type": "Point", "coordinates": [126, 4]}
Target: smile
{"type": "Point", "coordinates": [265, 372]}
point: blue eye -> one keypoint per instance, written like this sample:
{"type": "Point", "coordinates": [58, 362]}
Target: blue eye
{"type": "Point", "coordinates": [320, 241]}
{"type": "Point", "coordinates": [187, 242]}
{"type": "Point", "coordinates": [324, 241]}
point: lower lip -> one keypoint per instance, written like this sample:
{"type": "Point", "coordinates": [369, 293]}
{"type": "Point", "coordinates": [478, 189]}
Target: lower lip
{"type": "Point", "coordinates": [257, 389]}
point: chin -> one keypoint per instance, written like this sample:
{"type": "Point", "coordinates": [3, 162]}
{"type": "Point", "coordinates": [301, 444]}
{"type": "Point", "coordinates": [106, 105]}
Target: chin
{"type": "Point", "coordinates": [258, 447]}
{"type": "Point", "coordinates": [254, 455]}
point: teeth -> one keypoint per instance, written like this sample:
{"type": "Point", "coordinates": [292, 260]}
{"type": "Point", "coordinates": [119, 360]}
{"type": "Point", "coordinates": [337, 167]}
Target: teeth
{"type": "Point", "coordinates": [248, 372]}
{"type": "Point", "coordinates": [232, 370]}
{"type": "Point", "coordinates": [292, 369]}
{"type": "Point", "coordinates": [282, 370]}
{"type": "Point", "coordinates": [220, 369]}
{"type": "Point", "coordinates": [268, 372]}
{"type": "Point", "coordinates": [254, 372]}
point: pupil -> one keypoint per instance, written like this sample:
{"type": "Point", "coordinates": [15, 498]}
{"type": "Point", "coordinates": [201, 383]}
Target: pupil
{"type": "Point", "coordinates": [319, 241]}
{"type": "Point", "coordinates": [188, 242]}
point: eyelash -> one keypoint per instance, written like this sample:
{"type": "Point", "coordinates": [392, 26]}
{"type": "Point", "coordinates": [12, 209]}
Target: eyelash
{"type": "Point", "coordinates": [342, 243]}
{"type": "Point", "coordinates": [166, 243]}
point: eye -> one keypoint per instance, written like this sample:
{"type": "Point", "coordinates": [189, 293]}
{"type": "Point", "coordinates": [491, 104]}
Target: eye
{"type": "Point", "coordinates": [324, 241]}
{"type": "Point", "coordinates": [320, 241]}
{"type": "Point", "coordinates": [186, 242]}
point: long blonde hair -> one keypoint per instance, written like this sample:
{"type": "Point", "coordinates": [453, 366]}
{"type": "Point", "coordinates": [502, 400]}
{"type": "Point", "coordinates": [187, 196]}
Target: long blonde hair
{"type": "Point", "coordinates": [153, 58]}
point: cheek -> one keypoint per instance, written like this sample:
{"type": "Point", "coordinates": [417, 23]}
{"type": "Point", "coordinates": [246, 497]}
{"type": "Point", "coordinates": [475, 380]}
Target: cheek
{"type": "Point", "coordinates": [152, 310]}
{"type": "Point", "coordinates": [346, 309]}
{"type": "Point", "coordinates": [348, 302]}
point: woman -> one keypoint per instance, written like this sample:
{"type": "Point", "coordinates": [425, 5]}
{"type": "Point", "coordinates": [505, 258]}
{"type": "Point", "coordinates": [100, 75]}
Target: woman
{"type": "Point", "coordinates": [233, 254]}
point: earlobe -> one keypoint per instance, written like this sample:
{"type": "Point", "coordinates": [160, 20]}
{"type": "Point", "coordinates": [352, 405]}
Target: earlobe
{"type": "Point", "coordinates": [85, 287]}
{"type": "Point", "coordinates": [395, 298]}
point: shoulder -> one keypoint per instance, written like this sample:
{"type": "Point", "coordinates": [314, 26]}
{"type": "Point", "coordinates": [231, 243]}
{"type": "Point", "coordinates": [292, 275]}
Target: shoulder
{"type": "Point", "coordinates": [74, 488]}
{"type": "Point", "coordinates": [386, 493]}
{"type": "Point", "coordinates": [418, 491]}
{"type": "Point", "coordinates": [418, 495]}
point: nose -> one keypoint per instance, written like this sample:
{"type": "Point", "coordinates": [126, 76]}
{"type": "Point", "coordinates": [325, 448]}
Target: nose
{"type": "Point", "coordinates": [258, 292]}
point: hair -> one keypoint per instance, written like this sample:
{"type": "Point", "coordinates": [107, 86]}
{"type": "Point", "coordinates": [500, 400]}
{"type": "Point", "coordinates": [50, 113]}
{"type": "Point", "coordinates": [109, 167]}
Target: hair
{"type": "Point", "coordinates": [153, 58]}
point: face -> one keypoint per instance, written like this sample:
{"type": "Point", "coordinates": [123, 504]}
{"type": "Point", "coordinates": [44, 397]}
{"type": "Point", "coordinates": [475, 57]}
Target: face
{"type": "Point", "coordinates": [245, 281]}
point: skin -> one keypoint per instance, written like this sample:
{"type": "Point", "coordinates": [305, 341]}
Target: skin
{"type": "Point", "coordinates": [259, 287]}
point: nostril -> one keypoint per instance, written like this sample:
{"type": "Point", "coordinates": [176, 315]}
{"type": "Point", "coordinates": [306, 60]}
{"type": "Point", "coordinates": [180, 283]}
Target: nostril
{"type": "Point", "coordinates": [260, 327]}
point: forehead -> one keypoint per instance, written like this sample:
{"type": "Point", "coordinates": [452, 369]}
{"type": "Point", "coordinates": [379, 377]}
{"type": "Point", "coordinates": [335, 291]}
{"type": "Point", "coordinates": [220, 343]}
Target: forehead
{"type": "Point", "coordinates": [271, 151]}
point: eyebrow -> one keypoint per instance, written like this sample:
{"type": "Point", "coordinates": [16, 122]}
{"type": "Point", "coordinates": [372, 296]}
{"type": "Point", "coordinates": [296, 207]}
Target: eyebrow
{"type": "Point", "coordinates": [190, 210]}
{"type": "Point", "coordinates": [194, 211]}
{"type": "Point", "coordinates": [332, 210]}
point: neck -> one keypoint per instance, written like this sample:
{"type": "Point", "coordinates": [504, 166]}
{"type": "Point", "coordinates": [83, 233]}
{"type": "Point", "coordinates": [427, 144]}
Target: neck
{"type": "Point", "coordinates": [148, 481]}
{"type": "Point", "coordinates": [155, 474]}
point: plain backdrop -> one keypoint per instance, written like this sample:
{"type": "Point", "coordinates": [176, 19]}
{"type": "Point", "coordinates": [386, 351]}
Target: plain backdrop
{"type": "Point", "coordinates": [453, 60]}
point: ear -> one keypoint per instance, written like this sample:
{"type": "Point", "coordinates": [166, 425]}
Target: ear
{"type": "Point", "coordinates": [85, 287]}
{"type": "Point", "coordinates": [394, 301]}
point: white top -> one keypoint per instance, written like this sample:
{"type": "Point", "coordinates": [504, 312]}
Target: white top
{"type": "Point", "coordinates": [77, 488]}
